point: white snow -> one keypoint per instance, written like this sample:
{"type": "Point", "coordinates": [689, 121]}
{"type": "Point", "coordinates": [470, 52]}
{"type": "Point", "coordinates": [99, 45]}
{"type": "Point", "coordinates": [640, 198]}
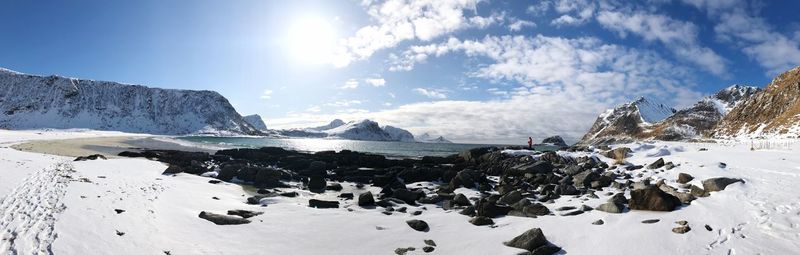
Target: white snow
{"type": "Point", "coordinates": [651, 110]}
{"type": "Point", "coordinates": [45, 206]}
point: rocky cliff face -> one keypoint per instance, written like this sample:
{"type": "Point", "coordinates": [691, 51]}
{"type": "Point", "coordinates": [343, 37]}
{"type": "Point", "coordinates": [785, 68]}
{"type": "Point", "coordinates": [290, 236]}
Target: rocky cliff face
{"type": "Point", "coordinates": [773, 112]}
{"type": "Point", "coordinates": [31, 102]}
{"type": "Point", "coordinates": [626, 122]}
{"type": "Point", "coordinates": [256, 121]}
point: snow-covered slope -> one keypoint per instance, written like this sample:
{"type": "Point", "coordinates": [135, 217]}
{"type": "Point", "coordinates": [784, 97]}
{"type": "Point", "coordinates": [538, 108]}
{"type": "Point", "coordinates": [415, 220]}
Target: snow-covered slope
{"type": "Point", "coordinates": [700, 120]}
{"type": "Point", "coordinates": [31, 102]}
{"type": "Point", "coordinates": [627, 121]}
{"type": "Point", "coordinates": [427, 138]}
{"type": "Point", "coordinates": [365, 130]}
{"type": "Point", "coordinates": [256, 121]}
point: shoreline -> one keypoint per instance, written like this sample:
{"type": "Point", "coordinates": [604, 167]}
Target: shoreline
{"type": "Point", "coordinates": [109, 146]}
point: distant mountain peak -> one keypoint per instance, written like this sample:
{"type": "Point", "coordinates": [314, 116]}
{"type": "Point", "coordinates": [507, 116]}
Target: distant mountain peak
{"type": "Point", "coordinates": [256, 121]}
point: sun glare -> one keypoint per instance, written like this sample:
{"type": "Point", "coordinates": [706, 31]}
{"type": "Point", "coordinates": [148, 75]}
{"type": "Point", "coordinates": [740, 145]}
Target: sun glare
{"type": "Point", "coordinates": [312, 40]}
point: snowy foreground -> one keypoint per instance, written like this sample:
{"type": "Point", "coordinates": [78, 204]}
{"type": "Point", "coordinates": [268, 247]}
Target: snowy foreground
{"type": "Point", "coordinates": [51, 204]}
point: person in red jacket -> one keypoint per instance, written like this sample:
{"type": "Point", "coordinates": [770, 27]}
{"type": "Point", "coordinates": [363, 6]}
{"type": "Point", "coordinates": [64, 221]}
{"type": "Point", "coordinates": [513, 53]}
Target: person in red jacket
{"type": "Point", "coordinates": [530, 142]}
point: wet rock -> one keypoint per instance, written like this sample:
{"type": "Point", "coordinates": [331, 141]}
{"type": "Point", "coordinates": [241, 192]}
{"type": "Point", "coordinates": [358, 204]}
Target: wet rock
{"type": "Point", "coordinates": [481, 221]}
{"type": "Point", "coordinates": [244, 213]}
{"type": "Point", "coordinates": [684, 178]}
{"type": "Point", "coordinates": [530, 240]}
{"type": "Point", "coordinates": [322, 204]}
{"type": "Point", "coordinates": [418, 225]}
{"type": "Point", "coordinates": [719, 183]}
{"type": "Point", "coordinates": [220, 219]}
{"type": "Point", "coordinates": [652, 199]}
{"type": "Point", "coordinates": [366, 199]}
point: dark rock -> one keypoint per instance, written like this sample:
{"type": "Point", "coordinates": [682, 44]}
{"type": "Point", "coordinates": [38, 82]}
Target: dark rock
{"type": "Point", "coordinates": [651, 221]}
{"type": "Point", "coordinates": [407, 196]}
{"type": "Point", "coordinates": [657, 164]}
{"type": "Point", "coordinates": [334, 187]}
{"type": "Point", "coordinates": [585, 178]}
{"type": "Point", "coordinates": [119, 211]}
{"type": "Point", "coordinates": [90, 157]}
{"type": "Point", "coordinates": [681, 229]}
{"type": "Point", "coordinates": [618, 198]}
{"type": "Point", "coordinates": [173, 169]}
{"type": "Point", "coordinates": [652, 199]}
{"type": "Point", "coordinates": [220, 219]}
{"type": "Point", "coordinates": [323, 204]}
{"type": "Point", "coordinates": [403, 251]}
{"type": "Point", "coordinates": [530, 240]}
{"type": "Point", "coordinates": [346, 195]}
{"type": "Point", "coordinates": [481, 221]}
{"type": "Point", "coordinates": [469, 211]}
{"type": "Point", "coordinates": [490, 209]}
{"type": "Point", "coordinates": [461, 200]}
{"type": "Point", "coordinates": [316, 184]}
{"type": "Point", "coordinates": [418, 225]}
{"type": "Point", "coordinates": [244, 213]}
{"type": "Point", "coordinates": [719, 183]}
{"type": "Point", "coordinates": [429, 242]}
{"type": "Point", "coordinates": [708, 228]}
{"type": "Point", "coordinates": [289, 194]}
{"type": "Point", "coordinates": [428, 249]}
{"type": "Point", "coordinates": [566, 208]}
{"type": "Point", "coordinates": [573, 213]}
{"type": "Point", "coordinates": [536, 209]}
{"type": "Point", "coordinates": [511, 198]}
{"type": "Point", "coordinates": [538, 167]}
{"type": "Point", "coordinates": [598, 222]}
{"type": "Point", "coordinates": [555, 140]}
{"type": "Point", "coordinates": [684, 178]}
{"type": "Point", "coordinates": [546, 250]}
{"type": "Point", "coordinates": [255, 200]}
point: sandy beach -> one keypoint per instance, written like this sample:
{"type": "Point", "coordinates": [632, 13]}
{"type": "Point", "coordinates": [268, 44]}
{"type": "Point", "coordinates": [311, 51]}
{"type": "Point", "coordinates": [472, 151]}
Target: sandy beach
{"type": "Point", "coordinates": [107, 146]}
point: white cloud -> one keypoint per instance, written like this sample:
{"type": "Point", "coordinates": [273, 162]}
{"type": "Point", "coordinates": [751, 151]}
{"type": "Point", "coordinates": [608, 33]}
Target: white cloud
{"type": "Point", "coordinates": [314, 108]}
{"type": "Point", "coordinates": [344, 103]}
{"type": "Point", "coordinates": [540, 8]}
{"type": "Point", "coordinates": [583, 11]}
{"type": "Point", "coordinates": [350, 84]}
{"type": "Point", "coordinates": [431, 93]}
{"type": "Point", "coordinates": [392, 95]}
{"type": "Point", "coordinates": [375, 82]}
{"type": "Point", "coordinates": [399, 20]}
{"type": "Point", "coordinates": [267, 94]}
{"type": "Point", "coordinates": [518, 24]}
{"type": "Point", "coordinates": [678, 36]}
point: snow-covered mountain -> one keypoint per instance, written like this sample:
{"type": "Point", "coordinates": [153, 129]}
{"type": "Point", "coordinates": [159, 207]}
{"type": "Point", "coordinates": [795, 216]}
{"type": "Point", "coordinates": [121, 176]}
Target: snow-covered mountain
{"type": "Point", "coordinates": [772, 112]}
{"type": "Point", "coordinates": [699, 120]}
{"type": "Point", "coordinates": [256, 121]}
{"type": "Point", "coordinates": [427, 138]}
{"type": "Point", "coordinates": [626, 122]}
{"type": "Point", "coordinates": [31, 102]}
{"type": "Point", "coordinates": [365, 130]}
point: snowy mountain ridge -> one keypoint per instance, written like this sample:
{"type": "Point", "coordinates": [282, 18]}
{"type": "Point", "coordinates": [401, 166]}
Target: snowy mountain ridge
{"type": "Point", "coordinates": [31, 102]}
{"type": "Point", "coordinates": [364, 130]}
{"type": "Point", "coordinates": [256, 121]}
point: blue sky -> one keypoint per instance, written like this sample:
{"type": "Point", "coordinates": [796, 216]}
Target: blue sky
{"type": "Point", "coordinates": [473, 71]}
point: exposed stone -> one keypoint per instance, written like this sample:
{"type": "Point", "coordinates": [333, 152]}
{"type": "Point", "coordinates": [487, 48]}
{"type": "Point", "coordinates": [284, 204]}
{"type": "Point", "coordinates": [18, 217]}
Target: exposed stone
{"type": "Point", "coordinates": [418, 225]}
{"type": "Point", "coordinates": [652, 199]}
{"type": "Point", "coordinates": [244, 213]}
{"type": "Point", "coordinates": [323, 204]}
{"type": "Point", "coordinates": [611, 207]}
{"type": "Point", "coordinates": [530, 240]}
{"type": "Point", "coordinates": [650, 221]}
{"type": "Point", "coordinates": [220, 219]}
{"type": "Point", "coordinates": [657, 164]}
{"type": "Point", "coordinates": [481, 221]}
{"type": "Point", "coordinates": [598, 222]}
{"type": "Point", "coordinates": [719, 183]}
{"type": "Point", "coordinates": [684, 178]}
{"type": "Point", "coordinates": [681, 229]}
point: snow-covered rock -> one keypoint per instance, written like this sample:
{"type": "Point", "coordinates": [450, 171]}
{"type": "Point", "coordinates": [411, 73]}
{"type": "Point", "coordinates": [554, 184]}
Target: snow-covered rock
{"type": "Point", "coordinates": [334, 124]}
{"type": "Point", "coordinates": [256, 121]}
{"type": "Point", "coordinates": [399, 134]}
{"type": "Point", "coordinates": [32, 102]}
{"type": "Point", "coordinates": [427, 138]}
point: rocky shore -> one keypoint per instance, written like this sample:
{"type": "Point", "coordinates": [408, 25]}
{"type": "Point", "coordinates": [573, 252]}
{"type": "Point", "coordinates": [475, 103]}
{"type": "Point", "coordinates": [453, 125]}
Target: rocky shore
{"type": "Point", "coordinates": [509, 181]}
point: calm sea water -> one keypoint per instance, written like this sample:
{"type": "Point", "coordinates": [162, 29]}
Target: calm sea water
{"type": "Point", "coordinates": [398, 149]}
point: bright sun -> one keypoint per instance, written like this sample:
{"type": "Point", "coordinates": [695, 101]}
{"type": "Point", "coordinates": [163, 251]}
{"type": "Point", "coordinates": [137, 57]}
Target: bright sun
{"type": "Point", "coordinates": [312, 40]}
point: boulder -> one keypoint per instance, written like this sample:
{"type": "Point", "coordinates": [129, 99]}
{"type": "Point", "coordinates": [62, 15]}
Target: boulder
{"type": "Point", "coordinates": [220, 219]}
{"type": "Point", "coordinates": [684, 178]}
{"type": "Point", "coordinates": [719, 183]}
{"type": "Point", "coordinates": [317, 184]}
{"type": "Point", "coordinates": [530, 240]}
{"type": "Point", "coordinates": [681, 229]}
{"type": "Point", "coordinates": [481, 221]}
{"type": "Point", "coordinates": [418, 225]}
{"type": "Point", "coordinates": [511, 198]}
{"type": "Point", "coordinates": [90, 157]}
{"type": "Point", "coordinates": [652, 199]}
{"type": "Point", "coordinates": [366, 199]}
{"type": "Point", "coordinates": [321, 204]}
{"type": "Point", "coordinates": [408, 196]}
{"type": "Point", "coordinates": [461, 200]}
{"type": "Point", "coordinates": [538, 167]}
{"type": "Point", "coordinates": [585, 178]}
{"type": "Point", "coordinates": [618, 198]}
{"type": "Point", "coordinates": [611, 207]}
{"type": "Point", "coordinates": [657, 164]}
{"type": "Point", "coordinates": [490, 209]}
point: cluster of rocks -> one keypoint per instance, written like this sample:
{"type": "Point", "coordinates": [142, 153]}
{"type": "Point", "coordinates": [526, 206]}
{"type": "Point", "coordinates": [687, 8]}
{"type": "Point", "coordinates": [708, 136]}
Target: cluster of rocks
{"type": "Point", "coordinates": [509, 185]}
